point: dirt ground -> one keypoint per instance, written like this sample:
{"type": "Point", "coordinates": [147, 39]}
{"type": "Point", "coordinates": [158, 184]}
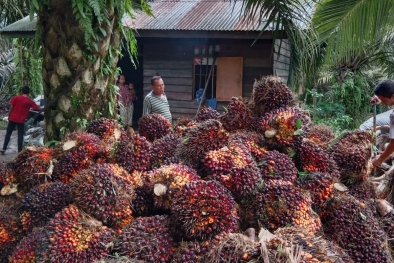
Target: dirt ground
{"type": "Point", "coordinates": [12, 149]}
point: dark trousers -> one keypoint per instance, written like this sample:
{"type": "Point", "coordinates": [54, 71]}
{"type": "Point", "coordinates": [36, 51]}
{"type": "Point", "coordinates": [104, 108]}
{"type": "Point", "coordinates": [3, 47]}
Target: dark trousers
{"type": "Point", "coordinates": [10, 128]}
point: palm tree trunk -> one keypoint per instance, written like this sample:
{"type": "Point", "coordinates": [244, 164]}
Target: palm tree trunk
{"type": "Point", "coordinates": [75, 86]}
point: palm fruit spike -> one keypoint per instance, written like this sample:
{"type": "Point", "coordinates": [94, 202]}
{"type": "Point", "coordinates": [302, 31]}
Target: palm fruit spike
{"type": "Point", "coordinates": [7, 173]}
{"type": "Point", "coordinates": [203, 209]}
{"type": "Point", "coordinates": [353, 153]}
{"type": "Point", "coordinates": [242, 181]}
{"type": "Point", "coordinates": [26, 221]}
{"type": "Point", "coordinates": [31, 166]}
{"type": "Point", "coordinates": [164, 148]}
{"type": "Point", "coordinates": [11, 231]}
{"type": "Point", "coordinates": [235, 247]}
{"type": "Point", "coordinates": [322, 135]}
{"type": "Point", "coordinates": [275, 165]}
{"type": "Point", "coordinates": [277, 205]}
{"type": "Point", "coordinates": [362, 190]}
{"type": "Point", "coordinates": [309, 157]}
{"type": "Point", "coordinates": [359, 229]}
{"type": "Point", "coordinates": [76, 237]}
{"type": "Point", "coordinates": [124, 155]}
{"type": "Point", "coordinates": [312, 248]}
{"type": "Point", "coordinates": [90, 142]}
{"type": "Point", "coordinates": [206, 136]}
{"type": "Point", "coordinates": [165, 181]}
{"type": "Point", "coordinates": [142, 153]}
{"type": "Point", "coordinates": [106, 129]}
{"type": "Point", "coordinates": [104, 194]}
{"type": "Point", "coordinates": [238, 115]}
{"type": "Point", "coordinates": [70, 164]}
{"type": "Point", "coordinates": [183, 125]}
{"type": "Point", "coordinates": [252, 140]}
{"type": "Point", "coordinates": [153, 126]}
{"type": "Point", "coordinates": [269, 94]}
{"type": "Point", "coordinates": [320, 185]}
{"type": "Point", "coordinates": [284, 127]}
{"type": "Point", "coordinates": [207, 114]}
{"type": "Point", "coordinates": [143, 204]}
{"type": "Point", "coordinates": [148, 239]}
{"type": "Point", "coordinates": [44, 201]}
{"type": "Point", "coordinates": [25, 251]}
{"type": "Point", "coordinates": [218, 162]}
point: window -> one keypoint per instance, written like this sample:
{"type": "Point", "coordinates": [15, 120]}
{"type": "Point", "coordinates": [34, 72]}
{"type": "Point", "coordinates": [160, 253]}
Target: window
{"type": "Point", "coordinates": [202, 70]}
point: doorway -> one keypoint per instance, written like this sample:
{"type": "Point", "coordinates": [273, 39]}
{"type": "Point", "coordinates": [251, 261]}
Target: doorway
{"type": "Point", "coordinates": [134, 74]}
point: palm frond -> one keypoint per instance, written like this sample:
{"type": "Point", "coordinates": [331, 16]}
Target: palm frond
{"type": "Point", "coordinates": [6, 64]}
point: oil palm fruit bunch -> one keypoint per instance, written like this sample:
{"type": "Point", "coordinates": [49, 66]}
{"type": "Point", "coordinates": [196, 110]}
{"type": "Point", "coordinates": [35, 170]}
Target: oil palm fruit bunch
{"type": "Point", "coordinates": [309, 157]}
{"type": "Point", "coordinates": [89, 141]}
{"type": "Point", "coordinates": [218, 162]}
{"type": "Point", "coordinates": [360, 233]}
{"type": "Point", "coordinates": [142, 153]}
{"type": "Point", "coordinates": [11, 231]}
{"type": "Point", "coordinates": [31, 166]}
{"type": "Point", "coordinates": [236, 247]}
{"type": "Point", "coordinates": [7, 173]}
{"type": "Point", "coordinates": [164, 149]}
{"type": "Point", "coordinates": [183, 125]}
{"type": "Point", "coordinates": [148, 239]}
{"type": "Point", "coordinates": [153, 126]}
{"type": "Point", "coordinates": [275, 165]}
{"type": "Point", "coordinates": [45, 200]}
{"type": "Point", "coordinates": [104, 194]}
{"type": "Point", "coordinates": [312, 248]}
{"type": "Point", "coordinates": [241, 181]}
{"type": "Point", "coordinates": [319, 184]}
{"type": "Point", "coordinates": [143, 203]}
{"type": "Point", "coordinates": [205, 114]}
{"type": "Point", "coordinates": [269, 94]}
{"type": "Point", "coordinates": [353, 153]}
{"type": "Point", "coordinates": [203, 209]}
{"type": "Point", "coordinates": [165, 181]}
{"type": "Point", "coordinates": [70, 164]}
{"type": "Point", "coordinates": [284, 127]}
{"type": "Point", "coordinates": [252, 140]}
{"type": "Point", "coordinates": [204, 137]}
{"type": "Point", "coordinates": [107, 130]}
{"type": "Point", "coordinates": [238, 115]}
{"type": "Point", "coordinates": [124, 155]}
{"type": "Point", "coordinates": [73, 236]}
{"type": "Point", "coordinates": [362, 190]}
{"type": "Point", "coordinates": [321, 135]}
{"type": "Point", "coordinates": [277, 205]}
{"type": "Point", "coordinates": [25, 251]}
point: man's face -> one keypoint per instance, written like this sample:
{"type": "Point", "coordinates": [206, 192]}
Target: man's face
{"type": "Point", "coordinates": [158, 87]}
{"type": "Point", "coordinates": [387, 101]}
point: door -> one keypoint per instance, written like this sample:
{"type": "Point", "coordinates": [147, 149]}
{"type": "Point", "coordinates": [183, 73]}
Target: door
{"type": "Point", "coordinates": [229, 78]}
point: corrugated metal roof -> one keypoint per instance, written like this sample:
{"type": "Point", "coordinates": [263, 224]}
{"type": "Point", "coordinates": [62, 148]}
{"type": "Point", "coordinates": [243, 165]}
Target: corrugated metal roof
{"type": "Point", "coordinates": [25, 24]}
{"type": "Point", "coordinates": [210, 15]}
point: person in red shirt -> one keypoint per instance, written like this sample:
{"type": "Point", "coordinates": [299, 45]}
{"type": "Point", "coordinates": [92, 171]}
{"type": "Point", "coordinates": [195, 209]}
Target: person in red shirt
{"type": "Point", "coordinates": [20, 107]}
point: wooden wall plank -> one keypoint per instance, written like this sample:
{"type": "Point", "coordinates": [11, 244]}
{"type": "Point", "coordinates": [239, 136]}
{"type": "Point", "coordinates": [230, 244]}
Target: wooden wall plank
{"type": "Point", "coordinates": [181, 96]}
{"type": "Point", "coordinates": [176, 73]}
{"type": "Point", "coordinates": [172, 88]}
{"type": "Point", "coordinates": [171, 81]}
{"type": "Point", "coordinates": [160, 64]}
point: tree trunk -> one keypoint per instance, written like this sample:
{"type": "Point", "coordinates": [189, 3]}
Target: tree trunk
{"type": "Point", "coordinates": [77, 78]}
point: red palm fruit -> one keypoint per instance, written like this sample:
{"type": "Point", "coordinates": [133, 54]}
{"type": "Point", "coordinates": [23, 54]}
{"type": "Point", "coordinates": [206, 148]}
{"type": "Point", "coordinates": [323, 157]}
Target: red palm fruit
{"type": "Point", "coordinates": [353, 153]}
{"type": "Point", "coordinates": [44, 201]}
{"type": "Point", "coordinates": [238, 116]}
{"type": "Point", "coordinates": [153, 126]}
{"type": "Point", "coordinates": [320, 185]}
{"type": "Point", "coordinates": [148, 239]}
{"type": "Point", "coordinates": [205, 114]}
{"type": "Point", "coordinates": [103, 193]}
{"type": "Point", "coordinates": [277, 166]}
{"type": "Point", "coordinates": [269, 93]}
{"type": "Point", "coordinates": [310, 157]}
{"type": "Point", "coordinates": [203, 209]}
{"type": "Point", "coordinates": [277, 205]}
{"type": "Point", "coordinates": [252, 140]}
{"type": "Point", "coordinates": [321, 135]}
{"type": "Point", "coordinates": [206, 136]}
{"type": "Point", "coordinates": [25, 251]}
{"type": "Point", "coordinates": [75, 237]}
{"type": "Point", "coordinates": [11, 230]}
{"type": "Point", "coordinates": [164, 149]}
{"type": "Point", "coordinates": [165, 181]}
{"type": "Point", "coordinates": [353, 226]}
{"type": "Point", "coordinates": [284, 127]}
{"type": "Point", "coordinates": [183, 125]}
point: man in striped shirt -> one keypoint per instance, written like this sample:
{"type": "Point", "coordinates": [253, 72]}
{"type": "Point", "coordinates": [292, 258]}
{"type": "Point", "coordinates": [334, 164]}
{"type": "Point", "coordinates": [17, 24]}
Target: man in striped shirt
{"type": "Point", "coordinates": [156, 100]}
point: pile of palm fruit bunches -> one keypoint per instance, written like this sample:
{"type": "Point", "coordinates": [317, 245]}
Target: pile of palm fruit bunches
{"type": "Point", "coordinates": [256, 183]}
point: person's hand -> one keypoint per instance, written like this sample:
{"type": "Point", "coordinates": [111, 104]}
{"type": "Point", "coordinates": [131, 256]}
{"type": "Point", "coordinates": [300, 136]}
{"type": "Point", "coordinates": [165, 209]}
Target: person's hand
{"type": "Point", "coordinates": [376, 162]}
{"type": "Point", "coordinates": [375, 100]}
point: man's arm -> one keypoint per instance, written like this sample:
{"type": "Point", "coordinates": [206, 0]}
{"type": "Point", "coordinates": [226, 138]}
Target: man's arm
{"type": "Point", "coordinates": [147, 107]}
{"type": "Point", "coordinates": [386, 154]}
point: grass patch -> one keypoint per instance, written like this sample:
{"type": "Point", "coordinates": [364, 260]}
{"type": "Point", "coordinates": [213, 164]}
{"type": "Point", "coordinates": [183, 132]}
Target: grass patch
{"type": "Point", "coordinates": [3, 124]}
